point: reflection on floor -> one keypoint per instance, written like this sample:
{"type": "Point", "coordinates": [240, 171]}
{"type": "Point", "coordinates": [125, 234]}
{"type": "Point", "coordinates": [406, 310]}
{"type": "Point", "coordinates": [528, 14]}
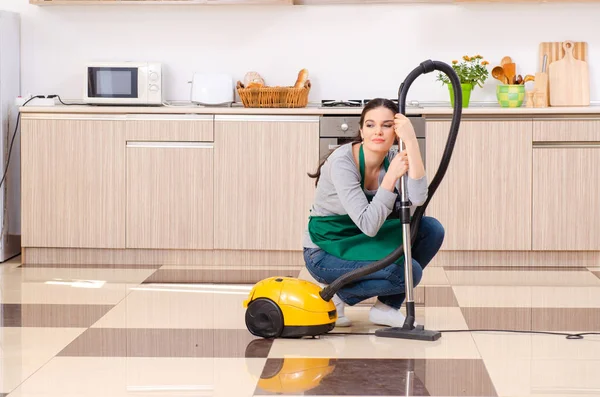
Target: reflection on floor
{"type": "Point", "coordinates": [123, 331]}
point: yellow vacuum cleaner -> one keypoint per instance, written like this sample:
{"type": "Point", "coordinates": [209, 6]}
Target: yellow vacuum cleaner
{"type": "Point", "coordinates": [288, 307]}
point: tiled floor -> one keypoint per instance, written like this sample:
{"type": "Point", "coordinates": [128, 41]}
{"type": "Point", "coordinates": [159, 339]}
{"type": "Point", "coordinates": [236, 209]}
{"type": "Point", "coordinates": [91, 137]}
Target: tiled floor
{"type": "Point", "coordinates": [127, 331]}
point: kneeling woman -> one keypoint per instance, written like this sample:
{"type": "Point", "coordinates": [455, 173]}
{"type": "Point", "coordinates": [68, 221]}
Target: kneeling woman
{"type": "Point", "coordinates": [348, 228]}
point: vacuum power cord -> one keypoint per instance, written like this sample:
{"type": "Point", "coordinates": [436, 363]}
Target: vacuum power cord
{"type": "Point", "coordinates": [12, 141]}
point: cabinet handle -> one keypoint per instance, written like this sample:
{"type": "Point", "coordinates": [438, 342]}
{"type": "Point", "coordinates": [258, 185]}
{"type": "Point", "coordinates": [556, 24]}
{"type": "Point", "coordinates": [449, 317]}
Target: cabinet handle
{"type": "Point", "coordinates": [170, 117]}
{"type": "Point", "coordinates": [170, 145]}
{"type": "Point", "coordinates": [565, 145]}
{"type": "Point", "coordinates": [264, 118]}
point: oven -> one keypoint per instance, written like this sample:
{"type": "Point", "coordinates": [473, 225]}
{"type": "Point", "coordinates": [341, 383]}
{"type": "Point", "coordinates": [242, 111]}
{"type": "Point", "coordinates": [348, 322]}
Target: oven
{"type": "Point", "coordinates": [336, 130]}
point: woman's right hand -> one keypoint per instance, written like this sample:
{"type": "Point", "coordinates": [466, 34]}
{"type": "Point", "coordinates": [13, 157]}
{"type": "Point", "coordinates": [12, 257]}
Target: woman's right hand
{"type": "Point", "coordinates": [398, 167]}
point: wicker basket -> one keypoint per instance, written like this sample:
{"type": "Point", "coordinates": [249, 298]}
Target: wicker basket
{"type": "Point", "coordinates": [274, 97]}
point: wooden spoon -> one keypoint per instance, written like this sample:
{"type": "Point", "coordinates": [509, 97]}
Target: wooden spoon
{"type": "Point", "coordinates": [498, 73]}
{"type": "Point", "coordinates": [509, 71]}
{"type": "Point", "coordinates": [528, 78]}
{"type": "Point", "coordinates": [505, 60]}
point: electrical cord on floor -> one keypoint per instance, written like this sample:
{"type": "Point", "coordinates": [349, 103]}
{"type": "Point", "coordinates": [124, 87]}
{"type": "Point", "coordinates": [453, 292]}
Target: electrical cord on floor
{"type": "Point", "coordinates": [12, 141]}
{"type": "Point", "coordinates": [568, 335]}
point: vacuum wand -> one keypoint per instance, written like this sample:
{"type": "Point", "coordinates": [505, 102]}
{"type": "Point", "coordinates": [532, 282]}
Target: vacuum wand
{"type": "Point", "coordinates": [408, 275]}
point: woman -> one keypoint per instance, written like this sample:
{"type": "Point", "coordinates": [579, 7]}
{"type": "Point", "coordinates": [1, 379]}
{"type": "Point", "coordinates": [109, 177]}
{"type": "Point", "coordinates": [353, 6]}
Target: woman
{"type": "Point", "coordinates": [350, 224]}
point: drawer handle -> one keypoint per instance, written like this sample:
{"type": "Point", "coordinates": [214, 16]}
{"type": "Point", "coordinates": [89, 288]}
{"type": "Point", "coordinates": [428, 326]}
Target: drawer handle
{"type": "Point", "coordinates": [566, 145]}
{"type": "Point", "coordinates": [170, 145]}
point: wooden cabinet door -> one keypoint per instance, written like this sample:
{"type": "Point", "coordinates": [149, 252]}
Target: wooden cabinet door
{"type": "Point", "coordinates": [566, 196]}
{"type": "Point", "coordinates": [262, 191]}
{"type": "Point", "coordinates": [73, 181]}
{"type": "Point", "coordinates": [169, 195]}
{"type": "Point", "coordinates": [484, 200]}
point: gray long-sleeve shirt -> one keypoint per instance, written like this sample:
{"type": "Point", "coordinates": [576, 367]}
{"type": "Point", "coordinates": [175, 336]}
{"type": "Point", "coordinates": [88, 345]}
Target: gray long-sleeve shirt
{"type": "Point", "coordinates": [339, 192]}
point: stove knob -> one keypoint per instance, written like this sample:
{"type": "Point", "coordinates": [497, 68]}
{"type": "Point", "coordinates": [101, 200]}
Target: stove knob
{"type": "Point", "coordinates": [344, 127]}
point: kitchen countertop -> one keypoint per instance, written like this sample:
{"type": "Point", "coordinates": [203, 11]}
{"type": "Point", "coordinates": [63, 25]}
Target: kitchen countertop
{"type": "Point", "coordinates": [475, 109]}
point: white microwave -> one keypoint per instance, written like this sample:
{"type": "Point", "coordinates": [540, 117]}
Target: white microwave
{"type": "Point", "coordinates": [123, 83]}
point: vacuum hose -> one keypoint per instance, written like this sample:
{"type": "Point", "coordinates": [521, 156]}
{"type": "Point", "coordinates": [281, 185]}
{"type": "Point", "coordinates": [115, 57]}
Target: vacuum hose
{"type": "Point", "coordinates": [425, 67]}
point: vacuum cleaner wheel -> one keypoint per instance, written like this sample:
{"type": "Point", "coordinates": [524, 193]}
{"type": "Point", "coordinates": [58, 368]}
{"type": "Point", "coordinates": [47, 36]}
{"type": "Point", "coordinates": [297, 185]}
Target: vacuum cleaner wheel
{"type": "Point", "coordinates": [264, 318]}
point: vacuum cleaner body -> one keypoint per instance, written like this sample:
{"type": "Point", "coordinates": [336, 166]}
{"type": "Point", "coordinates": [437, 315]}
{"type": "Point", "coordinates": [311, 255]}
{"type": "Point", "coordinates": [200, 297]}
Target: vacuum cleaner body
{"type": "Point", "coordinates": [288, 307]}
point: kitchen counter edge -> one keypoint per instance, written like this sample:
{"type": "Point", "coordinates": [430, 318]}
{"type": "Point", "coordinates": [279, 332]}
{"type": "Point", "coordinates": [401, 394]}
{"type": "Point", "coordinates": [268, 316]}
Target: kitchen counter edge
{"type": "Point", "coordinates": [318, 111]}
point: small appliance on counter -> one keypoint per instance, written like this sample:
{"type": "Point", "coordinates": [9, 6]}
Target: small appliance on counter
{"type": "Point", "coordinates": [212, 89]}
{"type": "Point", "coordinates": [124, 83]}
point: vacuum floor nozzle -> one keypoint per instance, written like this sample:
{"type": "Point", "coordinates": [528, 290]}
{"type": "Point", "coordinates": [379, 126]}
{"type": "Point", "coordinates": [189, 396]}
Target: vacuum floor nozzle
{"type": "Point", "coordinates": [417, 333]}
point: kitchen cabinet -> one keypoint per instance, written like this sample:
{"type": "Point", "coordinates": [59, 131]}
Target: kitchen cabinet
{"type": "Point", "coordinates": [484, 200]}
{"type": "Point", "coordinates": [170, 182]}
{"type": "Point", "coordinates": [566, 189]}
{"type": "Point", "coordinates": [73, 182]}
{"type": "Point", "coordinates": [262, 191]}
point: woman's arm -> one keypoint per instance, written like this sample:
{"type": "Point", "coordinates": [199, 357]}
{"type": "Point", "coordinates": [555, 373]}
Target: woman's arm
{"type": "Point", "coordinates": [416, 183]}
{"type": "Point", "coordinates": [369, 217]}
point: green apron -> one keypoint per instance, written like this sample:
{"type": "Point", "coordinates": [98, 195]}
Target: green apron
{"type": "Point", "coordinates": [339, 236]}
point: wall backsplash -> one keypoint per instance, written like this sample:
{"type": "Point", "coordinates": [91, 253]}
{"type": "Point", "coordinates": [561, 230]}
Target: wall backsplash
{"type": "Point", "coordinates": [351, 51]}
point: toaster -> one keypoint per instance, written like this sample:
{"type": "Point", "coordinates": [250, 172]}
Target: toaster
{"type": "Point", "coordinates": [212, 89]}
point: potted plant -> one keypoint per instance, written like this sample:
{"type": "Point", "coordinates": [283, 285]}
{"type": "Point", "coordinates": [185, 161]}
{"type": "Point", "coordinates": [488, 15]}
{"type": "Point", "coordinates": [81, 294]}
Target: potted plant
{"type": "Point", "coordinates": [471, 71]}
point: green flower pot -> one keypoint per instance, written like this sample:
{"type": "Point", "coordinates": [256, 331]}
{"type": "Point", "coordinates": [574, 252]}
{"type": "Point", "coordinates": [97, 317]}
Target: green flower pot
{"type": "Point", "coordinates": [466, 94]}
{"type": "Point", "coordinates": [510, 95]}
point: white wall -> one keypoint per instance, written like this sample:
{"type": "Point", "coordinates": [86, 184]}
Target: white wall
{"type": "Point", "coordinates": [350, 51]}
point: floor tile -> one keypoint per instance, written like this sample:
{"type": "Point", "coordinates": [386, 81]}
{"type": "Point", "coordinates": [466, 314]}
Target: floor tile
{"type": "Point", "coordinates": [538, 319]}
{"type": "Point", "coordinates": [374, 377]}
{"type": "Point", "coordinates": [88, 266]}
{"type": "Point", "coordinates": [228, 276]}
{"type": "Point", "coordinates": [69, 286]}
{"type": "Point", "coordinates": [434, 276]}
{"type": "Point", "coordinates": [26, 350]}
{"type": "Point", "coordinates": [526, 278]}
{"type": "Point", "coordinates": [567, 319]}
{"type": "Point", "coordinates": [564, 378]}
{"type": "Point", "coordinates": [497, 345]}
{"type": "Point", "coordinates": [180, 306]}
{"type": "Point", "coordinates": [555, 297]}
{"type": "Point", "coordinates": [50, 315]}
{"type": "Point", "coordinates": [120, 342]}
{"type": "Point", "coordinates": [517, 269]}
{"type": "Point", "coordinates": [498, 318]}
{"type": "Point", "coordinates": [440, 296]}
{"type": "Point", "coordinates": [126, 377]}
{"type": "Point", "coordinates": [527, 296]}
{"type": "Point", "coordinates": [493, 296]}
{"type": "Point", "coordinates": [70, 276]}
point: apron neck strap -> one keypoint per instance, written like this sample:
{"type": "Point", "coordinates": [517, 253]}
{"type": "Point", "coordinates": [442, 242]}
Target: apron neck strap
{"type": "Point", "coordinates": [361, 161]}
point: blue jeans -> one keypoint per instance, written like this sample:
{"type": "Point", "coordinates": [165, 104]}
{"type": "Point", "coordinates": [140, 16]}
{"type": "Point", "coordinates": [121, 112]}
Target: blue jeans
{"type": "Point", "coordinates": [386, 284]}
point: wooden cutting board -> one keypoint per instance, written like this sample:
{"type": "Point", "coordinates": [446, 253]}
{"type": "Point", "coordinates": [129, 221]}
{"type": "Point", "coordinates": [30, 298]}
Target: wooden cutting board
{"type": "Point", "coordinates": [555, 51]}
{"type": "Point", "coordinates": [569, 80]}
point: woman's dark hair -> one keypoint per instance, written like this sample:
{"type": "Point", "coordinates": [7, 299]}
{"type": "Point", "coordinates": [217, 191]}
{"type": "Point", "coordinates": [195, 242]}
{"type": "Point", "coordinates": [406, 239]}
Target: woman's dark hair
{"type": "Point", "coordinates": [372, 104]}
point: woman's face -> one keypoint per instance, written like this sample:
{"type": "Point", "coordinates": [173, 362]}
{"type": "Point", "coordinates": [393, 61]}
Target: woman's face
{"type": "Point", "coordinates": [378, 130]}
